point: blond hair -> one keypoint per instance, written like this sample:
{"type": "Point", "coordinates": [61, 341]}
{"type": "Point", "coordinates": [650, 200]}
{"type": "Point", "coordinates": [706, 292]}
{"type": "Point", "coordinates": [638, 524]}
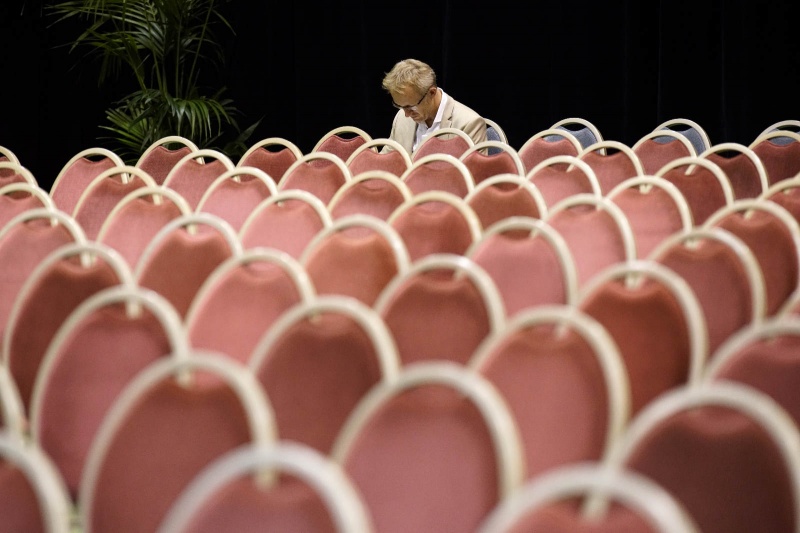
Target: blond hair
{"type": "Point", "coordinates": [409, 73]}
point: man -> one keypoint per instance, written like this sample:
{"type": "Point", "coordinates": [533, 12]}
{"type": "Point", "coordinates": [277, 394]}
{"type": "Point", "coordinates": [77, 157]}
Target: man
{"type": "Point", "coordinates": [424, 108]}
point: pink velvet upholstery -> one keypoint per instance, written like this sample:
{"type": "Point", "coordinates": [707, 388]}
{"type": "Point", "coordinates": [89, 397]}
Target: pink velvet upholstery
{"type": "Point", "coordinates": [191, 178]}
{"type": "Point", "coordinates": [98, 202]}
{"type": "Point", "coordinates": [287, 225]}
{"type": "Point", "coordinates": [375, 196]}
{"type": "Point", "coordinates": [369, 159]}
{"type": "Point", "coordinates": [566, 517]}
{"type": "Point", "coordinates": [233, 201]}
{"type": "Point", "coordinates": [14, 203]}
{"type": "Point", "coordinates": [782, 161]}
{"type": "Point", "coordinates": [655, 154]}
{"type": "Point", "coordinates": [559, 181]}
{"type": "Point", "coordinates": [319, 177]}
{"type": "Point", "coordinates": [701, 189]}
{"type": "Point", "coordinates": [75, 179]}
{"type": "Point", "coordinates": [543, 148]}
{"type": "Point", "coordinates": [483, 166]}
{"type": "Point", "coordinates": [501, 200]}
{"type": "Point", "coordinates": [611, 169]}
{"type": "Point", "coordinates": [741, 172]}
{"type": "Point", "coordinates": [454, 145]}
{"type": "Point", "coordinates": [432, 227]}
{"type": "Point", "coordinates": [340, 145]}
{"type": "Point", "coordinates": [160, 160]}
{"type": "Point", "coordinates": [437, 175]}
{"type": "Point", "coordinates": [274, 163]}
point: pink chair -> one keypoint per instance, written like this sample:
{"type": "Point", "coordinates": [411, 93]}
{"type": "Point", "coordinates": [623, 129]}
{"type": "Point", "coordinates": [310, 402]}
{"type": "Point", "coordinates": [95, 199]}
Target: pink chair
{"type": "Point", "coordinates": [560, 177]}
{"type": "Point", "coordinates": [11, 172]}
{"type": "Point", "coordinates": [451, 141]}
{"type": "Point", "coordinates": [272, 156]}
{"type": "Point", "coordinates": [195, 172]}
{"type": "Point", "coordinates": [235, 193]}
{"type": "Point", "coordinates": [548, 143]}
{"type": "Point", "coordinates": [438, 172]}
{"type": "Point", "coordinates": [703, 184]}
{"type": "Point", "coordinates": [377, 193]}
{"type": "Point", "coordinates": [342, 141]}
{"type": "Point", "coordinates": [506, 195]}
{"type": "Point", "coordinates": [779, 150]}
{"type": "Point", "coordinates": [163, 154]}
{"type": "Point", "coordinates": [743, 168]}
{"type": "Point", "coordinates": [483, 165]}
{"type": "Point", "coordinates": [659, 147]}
{"type": "Point", "coordinates": [613, 162]}
{"type": "Point", "coordinates": [78, 173]}
{"type": "Point", "coordinates": [16, 198]}
{"type": "Point", "coordinates": [370, 156]}
{"type": "Point", "coordinates": [320, 173]}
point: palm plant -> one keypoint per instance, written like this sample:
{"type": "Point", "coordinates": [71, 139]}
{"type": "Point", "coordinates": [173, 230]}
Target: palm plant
{"type": "Point", "coordinates": [160, 47]}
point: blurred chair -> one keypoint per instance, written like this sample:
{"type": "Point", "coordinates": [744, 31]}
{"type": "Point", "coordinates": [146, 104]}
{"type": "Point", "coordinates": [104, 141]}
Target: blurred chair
{"type": "Point", "coordinates": [785, 193]}
{"type": "Point", "coordinates": [779, 150]}
{"type": "Point", "coordinates": [529, 263]}
{"type": "Point", "coordinates": [785, 125]}
{"type": "Point", "coordinates": [562, 176]}
{"type": "Point", "coordinates": [658, 147]}
{"type": "Point", "coordinates": [241, 491]}
{"type": "Point", "coordinates": [15, 173]}
{"type": "Point", "coordinates": [241, 299]}
{"type": "Point", "coordinates": [78, 173]}
{"type": "Point", "coordinates": [16, 198]}
{"type": "Point", "coordinates": [190, 409]}
{"type": "Point", "coordinates": [506, 195]}
{"type": "Point", "coordinates": [438, 172]}
{"type": "Point", "coordinates": [13, 419]}
{"type": "Point", "coordinates": [320, 173]}
{"type": "Point", "coordinates": [483, 165]}
{"type": "Point", "coordinates": [564, 381]}
{"type": "Point", "coordinates": [375, 192]}
{"type": "Point", "coordinates": [612, 162]}
{"type": "Point", "coordinates": [434, 450]}
{"type": "Point", "coordinates": [286, 221]}
{"type": "Point", "coordinates": [235, 193]}
{"type": "Point", "coordinates": [317, 362]}
{"type": "Point", "coordinates": [369, 156]}
{"type": "Point", "coordinates": [690, 129]}
{"type": "Point", "coordinates": [163, 154]}
{"type": "Point", "coordinates": [452, 141]}
{"type": "Point", "coordinates": [584, 131]}
{"type": "Point", "coordinates": [441, 308]}
{"type": "Point", "coordinates": [703, 184]}
{"type": "Point", "coordinates": [743, 168]}
{"type": "Point", "coordinates": [342, 141]}
{"type": "Point", "coordinates": [494, 133]}
{"type": "Point", "coordinates": [548, 143]}
{"type": "Point", "coordinates": [195, 172]}
{"type": "Point", "coordinates": [273, 156]}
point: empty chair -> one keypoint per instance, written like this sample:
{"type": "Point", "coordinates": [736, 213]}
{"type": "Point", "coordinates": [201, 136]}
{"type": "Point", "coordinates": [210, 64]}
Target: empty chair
{"type": "Point", "coordinates": [452, 141]}
{"type": "Point", "coordinates": [703, 184]}
{"type": "Point", "coordinates": [312, 495]}
{"type": "Point", "coordinates": [183, 254]}
{"type": "Point", "coordinates": [548, 143]}
{"type": "Point", "coordinates": [562, 176]}
{"type": "Point", "coordinates": [342, 141]}
{"type": "Point", "coordinates": [786, 194]}
{"type": "Point", "coordinates": [596, 231]}
{"type": "Point", "coordinates": [6, 155]}
{"type": "Point", "coordinates": [504, 196]}
{"type": "Point", "coordinates": [613, 162]}
{"type": "Point", "coordinates": [191, 408]}
{"type": "Point", "coordinates": [438, 172]}
{"type": "Point", "coordinates": [195, 172]}
{"type": "Point", "coordinates": [76, 175]}
{"type": "Point", "coordinates": [356, 256]}
{"type": "Point", "coordinates": [728, 453]}
{"type": "Point", "coordinates": [11, 172]}
{"type": "Point", "coordinates": [60, 282]}
{"type": "Point", "coordinates": [320, 173]}
{"type": "Point", "coordinates": [376, 192]}
{"type": "Point", "coordinates": [529, 263]}
{"type": "Point", "coordinates": [102, 344]}
{"type": "Point", "coordinates": [135, 220]}
{"type": "Point", "coordinates": [494, 133]}
{"type": "Point", "coordinates": [785, 125]}
{"type": "Point", "coordinates": [654, 208]}
{"type": "Point", "coordinates": [773, 235]}
{"type": "Point", "coordinates": [689, 129]}
{"type": "Point", "coordinates": [742, 167]}
{"type": "Point", "coordinates": [16, 198]}
{"type": "Point", "coordinates": [235, 193]}
{"type": "Point", "coordinates": [241, 299]}
{"type": "Point", "coordinates": [554, 502]}
{"type": "Point", "coordinates": [434, 450]}
{"type": "Point", "coordinates": [655, 321]}
{"type": "Point", "coordinates": [583, 130]}
{"type": "Point", "coordinates": [435, 222]}
{"type": "Point", "coordinates": [724, 276]}
{"type": "Point", "coordinates": [286, 221]}
{"type": "Point", "coordinates": [163, 154]}
{"type": "Point", "coordinates": [658, 147]}
{"type": "Point", "coordinates": [105, 191]}
{"type": "Point", "coordinates": [318, 361]}
{"type": "Point", "coordinates": [563, 378]}
{"type": "Point", "coordinates": [441, 308]}
{"type": "Point", "coordinates": [34, 498]}
{"type": "Point", "coordinates": [483, 165]}
{"type": "Point", "coordinates": [779, 150]}
{"type": "Point", "coordinates": [369, 156]}
{"type": "Point", "coordinates": [273, 156]}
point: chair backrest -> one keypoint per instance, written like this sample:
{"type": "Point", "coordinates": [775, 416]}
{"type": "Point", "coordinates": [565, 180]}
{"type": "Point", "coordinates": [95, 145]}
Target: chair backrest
{"type": "Point", "coordinates": [342, 141]}
{"type": "Point", "coordinates": [596, 231]}
{"type": "Point", "coordinates": [273, 156]}
{"type": "Point", "coordinates": [11, 172]}
{"type": "Point", "coordinates": [784, 125]}
{"type": "Point", "coordinates": [192, 408]}
{"type": "Point", "coordinates": [34, 498]}
{"type": "Point", "coordinates": [105, 191]}
{"type": "Point", "coordinates": [442, 307]}
{"type": "Point", "coordinates": [689, 129]}
{"type": "Point", "coordinates": [372, 156]}
{"type": "Point", "coordinates": [494, 133]}
{"type": "Point", "coordinates": [356, 256]}
{"type": "Point", "coordinates": [779, 150]}
{"type": "Point", "coordinates": [728, 453]}
{"type": "Point", "coordinates": [506, 195]}
{"type": "Point", "coordinates": [103, 343]}
{"type": "Point", "coordinates": [724, 276]}
{"type": "Point", "coordinates": [135, 220]}
{"type": "Point", "coordinates": [377, 193]}
{"type": "Point", "coordinates": [552, 503]}
{"type": "Point", "coordinates": [655, 209]}
{"type": "Point", "coordinates": [703, 184]}
{"type": "Point", "coordinates": [78, 173]}
{"type": "Point", "coordinates": [438, 172]}
{"type": "Point", "coordinates": [658, 147]}
{"type": "Point", "coordinates": [564, 381]}
{"type": "Point", "coordinates": [548, 143]}
{"type": "Point", "coordinates": [562, 176]}
{"type": "Point", "coordinates": [180, 257]}
{"type": "Point", "coordinates": [436, 222]}
{"type": "Point", "coordinates": [159, 158]}
{"type": "Point", "coordinates": [235, 193]}
{"type": "Point", "coordinates": [583, 130]}
{"type": "Point", "coordinates": [655, 321]}
{"type": "Point", "coordinates": [319, 360]}
{"type": "Point", "coordinates": [785, 193]}
{"type": "Point", "coordinates": [195, 172]}
{"type": "Point", "coordinates": [743, 168]}
{"type": "Point", "coordinates": [13, 419]}
{"type": "Point", "coordinates": [286, 221]}
{"type": "Point", "coordinates": [483, 165]}
{"type": "Point", "coordinates": [529, 263]}
{"type": "Point", "coordinates": [452, 141]}
{"type": "Point", "coordinates": [7, 155]}
{"type": "Point", "coordinates": [320, 173]}
{"type": "Point", "coordinates": [242, 298]}
{"type": "Point", "coordinates": [773, 235]}
{"type": "Point", "coordinates": [434, 450]}
{"type": "Point", "coordinates": [59, 283]}
{"type": "Point", "coordinates": [613, 162]}
{"type": "Point", "coordinates": [16, 198]}
{"type": "Point", "coordinates": [313, 496]}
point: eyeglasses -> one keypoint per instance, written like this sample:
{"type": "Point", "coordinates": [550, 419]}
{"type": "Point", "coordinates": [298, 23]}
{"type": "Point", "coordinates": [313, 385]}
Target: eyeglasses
{"type": "Point", "coordinates": [412, 107]}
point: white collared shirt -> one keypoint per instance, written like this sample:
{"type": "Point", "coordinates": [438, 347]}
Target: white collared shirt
{"type": "Point", "coordinates": [423, 130]}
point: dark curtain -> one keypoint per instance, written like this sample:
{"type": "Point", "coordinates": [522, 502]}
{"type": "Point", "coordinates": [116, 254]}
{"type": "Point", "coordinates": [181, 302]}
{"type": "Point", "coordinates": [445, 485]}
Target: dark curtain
{"type": "Point", "coordinates": [303, 69]}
